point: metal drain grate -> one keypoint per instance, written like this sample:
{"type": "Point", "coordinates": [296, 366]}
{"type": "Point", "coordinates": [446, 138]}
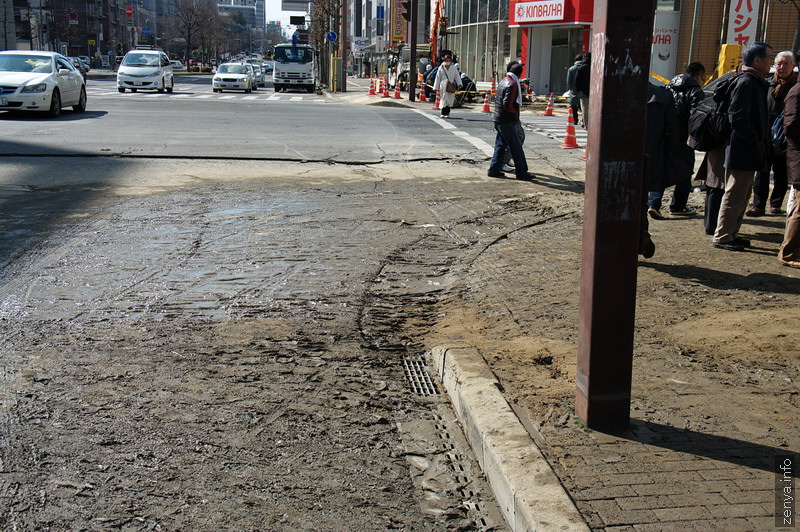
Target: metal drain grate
{"type": "Point", "coordinates": [417, 374]}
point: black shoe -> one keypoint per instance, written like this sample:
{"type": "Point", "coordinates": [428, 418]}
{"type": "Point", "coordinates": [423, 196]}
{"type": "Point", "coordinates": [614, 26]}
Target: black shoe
{"type": "Point", "coordinates": [743, 241]}
{"type": "Point", "coordinates": [730, 245]}
{"type": "Point", "coordinates": [527, 176]}
{"type": "Point", "coordinates": [686, 211]}
{"type": "Point", "coordinates": [496, 174]}
{"type": "Point", "coordinates": [648, 248]}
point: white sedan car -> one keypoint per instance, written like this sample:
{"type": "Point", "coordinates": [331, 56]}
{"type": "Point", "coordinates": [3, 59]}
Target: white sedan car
{"type": "Point", "coordinates": [233, 76]}
{"type": "Point", "coordinates": [40, 81]}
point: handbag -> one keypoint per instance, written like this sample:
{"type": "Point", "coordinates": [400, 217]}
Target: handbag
{"type": "Point", "coordinates": [451, 87]}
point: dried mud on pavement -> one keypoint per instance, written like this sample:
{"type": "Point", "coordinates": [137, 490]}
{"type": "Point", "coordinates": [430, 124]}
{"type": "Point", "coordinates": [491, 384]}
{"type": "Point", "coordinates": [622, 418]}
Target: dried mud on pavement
{"type": "Point", "coordinates": [226, 348]}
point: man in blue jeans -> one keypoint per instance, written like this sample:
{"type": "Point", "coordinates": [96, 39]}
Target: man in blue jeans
{"type": "Point", "coordinates": [506, 122]}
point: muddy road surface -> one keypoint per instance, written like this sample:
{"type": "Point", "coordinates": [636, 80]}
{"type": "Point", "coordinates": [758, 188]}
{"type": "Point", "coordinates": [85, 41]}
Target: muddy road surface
{"type": "Point", "coordinates": [236, 346]}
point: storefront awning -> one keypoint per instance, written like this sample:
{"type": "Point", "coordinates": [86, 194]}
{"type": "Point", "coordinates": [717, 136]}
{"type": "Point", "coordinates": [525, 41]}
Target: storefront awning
{"type": "Point", "coordinates": [550, 12]}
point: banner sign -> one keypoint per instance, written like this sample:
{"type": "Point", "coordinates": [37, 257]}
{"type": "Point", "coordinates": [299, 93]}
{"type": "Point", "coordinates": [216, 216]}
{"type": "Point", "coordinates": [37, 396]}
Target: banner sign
{"type": "Point", "coordinates": [742, 22]}
{"type": "Point", "coordinates": [665, 43]}
{"type": "Point", "coordinates": [398, 28]}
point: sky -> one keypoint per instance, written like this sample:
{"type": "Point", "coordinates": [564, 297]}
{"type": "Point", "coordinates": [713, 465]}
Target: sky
{"type": "Point", "coordinates": [274, 12]}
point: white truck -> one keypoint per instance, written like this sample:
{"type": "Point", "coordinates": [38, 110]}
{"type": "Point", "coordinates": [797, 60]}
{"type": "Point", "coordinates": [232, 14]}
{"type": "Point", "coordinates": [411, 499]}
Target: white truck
{"type": "Point", "coordinates": [295, 67]}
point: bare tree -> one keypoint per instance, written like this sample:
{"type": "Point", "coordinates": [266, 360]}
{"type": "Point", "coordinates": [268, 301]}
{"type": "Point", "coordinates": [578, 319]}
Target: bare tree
{"type": "Point", "coordinates": [189, 17]}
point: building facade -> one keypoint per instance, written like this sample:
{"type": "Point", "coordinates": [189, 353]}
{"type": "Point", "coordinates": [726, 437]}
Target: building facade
{"type": "Point", "coordinates": [548, 34]}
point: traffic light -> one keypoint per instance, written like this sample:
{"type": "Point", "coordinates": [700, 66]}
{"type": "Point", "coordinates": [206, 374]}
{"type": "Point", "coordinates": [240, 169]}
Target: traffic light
{"type": "Point", "coordinates": [406, 9]}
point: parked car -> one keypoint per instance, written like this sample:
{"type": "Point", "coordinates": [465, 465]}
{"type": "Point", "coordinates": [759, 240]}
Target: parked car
{"type": "Point", "coordinates": [233, 76]}
{"type": "Point", "coordinates": [40, 81]}
{"type": "Point", "coordinates": [145, 70]}
{"type": "Point", "coordinates": [80, 66]}
{"type": "Point", "coordinates": [177, 66]}
{"type": "Point", "coordinates": [87, 60]}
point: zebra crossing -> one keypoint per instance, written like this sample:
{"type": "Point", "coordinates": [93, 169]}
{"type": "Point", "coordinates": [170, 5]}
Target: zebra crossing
{"type": "Point", "coordinates": [553, 127]}
{"type": "Point", "coordinates": [190, 92]}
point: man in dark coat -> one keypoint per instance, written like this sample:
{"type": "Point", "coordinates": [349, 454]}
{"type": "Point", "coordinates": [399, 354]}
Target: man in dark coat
{"type": "Point", "coordinates": [784, 79]}
{"type": "Point", "coordinates": [662, 146]}
{"type": "Point", "coordinates": [507, 104]}
{"type": "Point", "coordinates": [583, 84]}
{"type": "Point", "coordinates": [687, 92]}
{"type": "Point", "coordinates": [574, 98]}
{"type": "Point", "coordinates": [746, 149]}
{"type": "Point", "coordinates": [789, 253]}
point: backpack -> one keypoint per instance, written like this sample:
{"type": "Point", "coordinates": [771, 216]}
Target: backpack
{"type": "Point", "coordinates": [709, 127]}
{"type": "Point", "coordinates": [779, 135]}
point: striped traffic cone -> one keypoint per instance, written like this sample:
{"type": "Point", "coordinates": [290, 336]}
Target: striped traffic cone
{"type": "Point", "coordinates": [570, 141]}
{"type": "Point", "coordinates": [438, 103]}
{"type": "Point", "coordinates": [371, 86]}
{"type": "Point", "coordinates": [385, 89]}
{"type": "Point", "coordinates": [422, 97]}
{"type": "Point", "coordinates": [494, 88]}
{"type": "Point", "coordinates": [486, 108]}
{"type": "Point", "coordinates": [397, 91]}
{"type": "Point", "coordinates": [549, 110]}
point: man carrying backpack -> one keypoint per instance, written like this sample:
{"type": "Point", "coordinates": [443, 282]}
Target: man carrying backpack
{"type": "Point", "coordinates": [746, 149]}
{"type": "Point", "coordinates": [784, 79]}
{"type": "Point", "coordinates": [686, 90]}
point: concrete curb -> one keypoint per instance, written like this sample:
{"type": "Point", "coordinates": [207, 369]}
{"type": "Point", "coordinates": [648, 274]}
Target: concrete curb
{"type": "Point", "coordinates": [525, 486]}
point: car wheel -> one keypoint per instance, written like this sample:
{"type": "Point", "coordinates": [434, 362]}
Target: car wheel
{"type": "Point", "coordinates": [134, 90]}
{"type": "Point", "coordinates": [81, 106]}
{"type": "Point", "coordinates": [121, 89]}
{"type": "Point", "coordinates": [55, 104]}
{"type": "Point", "coordinates": [248, 90]}
{"type": "Point", "coordinates": [216, 90]}
{"type": "Point", "coordinates": [171, 86]}
{"type": "Point", "coordinates": [310, 90]}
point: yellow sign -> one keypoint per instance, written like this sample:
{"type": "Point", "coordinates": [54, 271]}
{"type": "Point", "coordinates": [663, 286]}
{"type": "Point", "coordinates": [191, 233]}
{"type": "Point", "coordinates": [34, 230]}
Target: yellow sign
{"type": "Point", "coordinates": [92, 42]}
{"type": "Point", "coordinates": [729, 58]}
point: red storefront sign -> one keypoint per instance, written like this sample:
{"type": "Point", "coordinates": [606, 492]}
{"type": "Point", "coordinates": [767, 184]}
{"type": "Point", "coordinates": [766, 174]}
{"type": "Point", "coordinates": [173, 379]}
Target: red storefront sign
{"type": "Point", "coordinates": [550, 12]}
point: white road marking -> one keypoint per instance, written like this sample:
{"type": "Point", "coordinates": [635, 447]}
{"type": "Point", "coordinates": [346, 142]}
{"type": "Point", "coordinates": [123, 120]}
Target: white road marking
{"type": "Point", "coordinates": [478, 143]}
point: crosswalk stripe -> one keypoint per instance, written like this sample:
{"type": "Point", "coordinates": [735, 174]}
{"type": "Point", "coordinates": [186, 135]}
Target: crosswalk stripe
{"type": "Point", "coordinates": [226, 97]}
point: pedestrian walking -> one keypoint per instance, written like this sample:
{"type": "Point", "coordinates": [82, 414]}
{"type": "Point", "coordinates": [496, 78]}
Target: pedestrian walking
{"type": "Point", "coordinates": [687, 93]}
{"type": "Point", "coordinates": [507, 104]}
{"type": "Point", "coordinates": [582, 84]}
{"type": "Point", "coordinates": [574, 96]}
{"type": "Point", "coordinates": [448, 81]}
{"type": "Point", "coordinates": [789, 253]}
{"type": "Point", "coordinates": [746, 149]}
{"type": "Point", "coordinates": [782, 81]}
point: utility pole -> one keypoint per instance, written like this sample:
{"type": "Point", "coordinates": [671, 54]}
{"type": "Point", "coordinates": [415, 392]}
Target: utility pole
{"type": "Point", "coordinates": [414, 64]}
{"type": "Point", "coordinates": [343, 45]}
{"type": "Point", "coordinates": [622, 33]}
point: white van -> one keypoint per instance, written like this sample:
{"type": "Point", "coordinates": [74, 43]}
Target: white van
{"type": "Point", "coordinates": [145, 70]}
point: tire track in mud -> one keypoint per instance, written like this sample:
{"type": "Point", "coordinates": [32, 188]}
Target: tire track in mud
{"type": "Point", "coordinates": [402, 305]}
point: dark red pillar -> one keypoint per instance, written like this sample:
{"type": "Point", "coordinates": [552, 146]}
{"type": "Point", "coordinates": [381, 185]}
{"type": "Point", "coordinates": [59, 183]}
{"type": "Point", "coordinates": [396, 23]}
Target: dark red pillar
{"type": "Point", "coordinates": [620, 47]}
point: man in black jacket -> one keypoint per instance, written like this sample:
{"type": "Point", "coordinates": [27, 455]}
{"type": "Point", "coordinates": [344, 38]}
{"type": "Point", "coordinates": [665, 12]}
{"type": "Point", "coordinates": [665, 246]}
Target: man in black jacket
{"type": "Point", "coordinates": [746, 149]}
{"type": "Point", "coordinates": [687, 94]}
{"type": "Point", "coordinates": [506, 122]}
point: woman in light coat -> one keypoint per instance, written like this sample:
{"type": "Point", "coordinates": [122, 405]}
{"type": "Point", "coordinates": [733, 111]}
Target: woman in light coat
{"type": "Point", "coordinates": [447, 71]}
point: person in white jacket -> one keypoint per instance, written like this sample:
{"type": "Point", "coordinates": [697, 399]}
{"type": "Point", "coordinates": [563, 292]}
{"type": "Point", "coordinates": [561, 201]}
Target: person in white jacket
{"type": "Point", "coordinates": [447, 72]}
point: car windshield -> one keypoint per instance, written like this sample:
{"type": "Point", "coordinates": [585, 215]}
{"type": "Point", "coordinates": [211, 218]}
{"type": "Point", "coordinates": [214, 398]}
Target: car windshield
{"type": "Point", "coordinates": [25, 63]}
{"type": "Point", "coordinates": [293, 55]}
{"type": "Point", "coordinates": [134, 59]}
{"type": "Point", "coordinates": [232, 69]}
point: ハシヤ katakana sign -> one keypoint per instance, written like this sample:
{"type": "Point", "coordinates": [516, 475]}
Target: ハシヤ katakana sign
{"type": "Point", "coordinates": [742, 22]}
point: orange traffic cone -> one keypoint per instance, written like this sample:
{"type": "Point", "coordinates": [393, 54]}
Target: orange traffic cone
{"type": "Point", "coordinates": [371, 86]}
{"type": "Point", "coordinates": [422, 97]}
{"type": "Point", "coordinates": [486, 108]}
{"type": "Point", "coordinates": [549, 110]}
{"type": "Point", "coordinates": [438, 103]}
{"type": "Point", "coordinates": [397, 91]}
{"type": "Point", "coordinates": [385, 89]}
{"type": "Point", "coordinates": [494, 88]}
{"type": "Point", "coordinates": [570, 141]}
